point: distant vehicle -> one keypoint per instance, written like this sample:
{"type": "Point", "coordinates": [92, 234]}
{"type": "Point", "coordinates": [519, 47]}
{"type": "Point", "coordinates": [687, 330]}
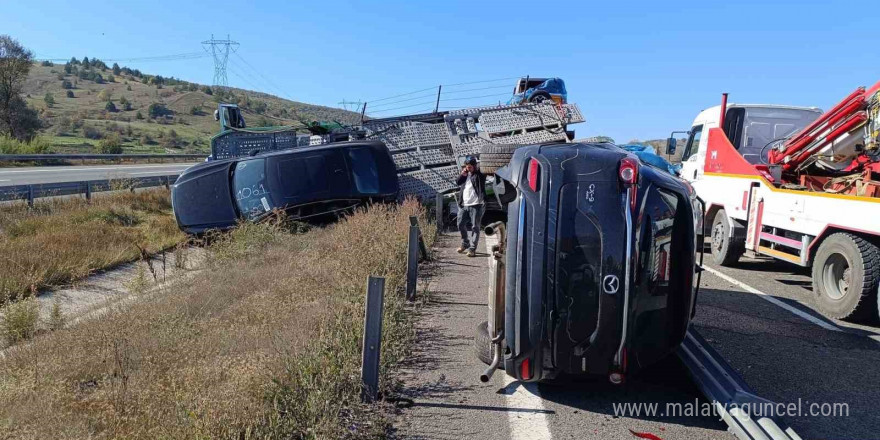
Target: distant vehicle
{"type": "Point", "coordinates": [596, 270]}
{"type": "Point", "coordinates": [306, 182]}
{"type": "Point", "coordinates": [539, 90]}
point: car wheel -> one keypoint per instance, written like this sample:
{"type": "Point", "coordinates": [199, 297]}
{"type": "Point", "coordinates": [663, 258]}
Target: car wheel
{"type": "Point", "coordinates": [540, 98]}
{"type": "Point", "coordinates": [495, 156]}
{"type": "Point", "coordinates": [483, 343]}
{"type": "Point", "coordinates": [726, 250]}
{"type": "Point", "coordinates": [846, 272]}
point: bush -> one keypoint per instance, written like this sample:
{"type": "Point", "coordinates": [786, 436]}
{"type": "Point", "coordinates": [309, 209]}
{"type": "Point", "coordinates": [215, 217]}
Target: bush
{"type": "Point", "coordinates": [49, 100]}
{"type": "Point", "coordinates": [90, 132]}
{"type": "Point", "coordinates": [111, 78]}
{"type": "Point", "coordinates": [70, 94]}
{"type": "Point", "coordinates": [110, 107]}
{"type": "Point", "coordinates": [195, 110]}
{"type": "Point", "coordinates": [46, 63]}
{"type": "Point", "coordinates": [111, 144]}
{"type": "Point", "coordinates": [157, 110]}
{"type": "Point", "coordinates": [105, 95]}
{"type": "Point", "coordinates": [139, 115]}
{"type": "Point", "coordinates": [19, 322]}
{"type": "Point", "coordinates": [116, 69]}
{"type": "Point", "coordinates": [37, 145]}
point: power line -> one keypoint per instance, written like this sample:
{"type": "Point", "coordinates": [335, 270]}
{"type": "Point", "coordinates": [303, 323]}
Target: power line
{"type": "Point", "coordinates": [405, 106]}
{"type": "Point", "coordinates": [474, 97]}
{"type": "Point", "coordinates": [474, 90]}
{"type": "Point", "coordinates": [402, 94]}
{"type": "Point", "coordinates": [481, 82]}
{"type": "Point", "coordinates": [173, 57]}
{"type": "Point", "coordinates": [430, 95]}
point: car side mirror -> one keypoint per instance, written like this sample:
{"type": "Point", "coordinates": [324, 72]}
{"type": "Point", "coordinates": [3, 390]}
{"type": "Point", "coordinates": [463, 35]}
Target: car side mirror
{"type": "Point", "coordinates": [670, 146]}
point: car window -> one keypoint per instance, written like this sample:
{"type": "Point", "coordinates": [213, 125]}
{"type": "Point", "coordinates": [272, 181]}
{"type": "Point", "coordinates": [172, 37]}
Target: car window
{"type": "Point", "coordinates": [364, 169]}
{"type": "Point", "coordinates": [693, 143]}
{"type": "Point", "coordinates": [250, 188]}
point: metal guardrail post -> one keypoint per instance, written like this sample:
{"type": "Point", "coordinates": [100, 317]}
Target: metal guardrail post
{"type": "Point", "coordinates": [438, 211]}
{"type": "Point", "coordinates": [412, 262]}
{"type": "Point", "coordinates": [88, 190]}
{"type": "Point", "coordinates": [372, 339]}
{"type": "Point", "coordinates": [423, 250]}
{"type": "Point", "coordinates": [30, 196]}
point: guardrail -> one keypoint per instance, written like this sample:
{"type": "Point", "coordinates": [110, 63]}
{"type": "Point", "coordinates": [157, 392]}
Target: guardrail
{"type": "Point", "coordinates": [51, 157]}
{"type": "Point", "coordinates": [87, 187]}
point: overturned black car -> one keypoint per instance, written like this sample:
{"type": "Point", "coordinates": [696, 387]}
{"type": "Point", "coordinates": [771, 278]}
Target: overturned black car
{"type": "Point", "coordinates": [305, 182]}
{"type": "Point", "coordinates": [596, 268]}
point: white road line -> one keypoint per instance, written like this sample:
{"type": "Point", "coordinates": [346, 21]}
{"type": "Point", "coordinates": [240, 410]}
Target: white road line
{"type": "Point", "coordinates": [64, 169]}
{"type": "Point", "coordinates": [148, 172]}
{"type": "Point", "coordinates": [530, 422]}
{"type": "Point", "coordinates": [821, 323]}
{"type": "Point", "coordinates": [526, 425]}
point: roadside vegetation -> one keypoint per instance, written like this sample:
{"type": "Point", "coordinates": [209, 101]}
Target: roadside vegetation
{"type": "Point", "coordinates": [61, 240]}
{"type": "Point", "coordinates": [263, 343]}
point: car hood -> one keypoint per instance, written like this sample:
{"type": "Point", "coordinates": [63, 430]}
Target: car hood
{"type": "Point", "coordinates": [202, 198]}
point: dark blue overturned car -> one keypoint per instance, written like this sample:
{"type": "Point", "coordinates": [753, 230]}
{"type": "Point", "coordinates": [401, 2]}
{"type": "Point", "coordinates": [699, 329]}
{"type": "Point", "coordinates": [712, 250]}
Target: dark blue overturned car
{"type": "Point", "coordinates": [596, 270]}
{"type": "Point", "coordinates": [307, 183]}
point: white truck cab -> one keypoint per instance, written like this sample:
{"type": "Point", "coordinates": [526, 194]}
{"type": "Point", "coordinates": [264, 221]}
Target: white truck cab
{"type": "Point", "coordinates": [750, 128]}
{"type": "Point", "coordinates": [750, 209]}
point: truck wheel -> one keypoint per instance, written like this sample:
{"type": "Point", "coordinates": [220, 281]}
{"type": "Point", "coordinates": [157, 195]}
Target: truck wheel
{"type": "Point", "coordinates": [726, 250]}
{"type": "Point", "coordinates": [540, 98]}
{"type": "Point", "coordinates": [846, 272]}
{"type": "Point", "coordinates": [495, 156]}
{"type": "Point", "coordinates": [483, 343]}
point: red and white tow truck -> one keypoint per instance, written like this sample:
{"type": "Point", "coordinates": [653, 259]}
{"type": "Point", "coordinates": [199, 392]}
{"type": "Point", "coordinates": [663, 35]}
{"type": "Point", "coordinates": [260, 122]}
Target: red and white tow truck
{"type": "Point", "coordinates": [798, 185]}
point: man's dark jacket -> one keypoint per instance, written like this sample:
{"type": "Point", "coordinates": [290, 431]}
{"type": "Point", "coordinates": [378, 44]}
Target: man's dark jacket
{"type": "Point", "coordinates": [478, 180]}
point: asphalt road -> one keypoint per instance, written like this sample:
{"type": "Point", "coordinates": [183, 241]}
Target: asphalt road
{"type": "Point", "coordinates": [35, 175]}
{"type": "Point", "coordinates": [784, 350]}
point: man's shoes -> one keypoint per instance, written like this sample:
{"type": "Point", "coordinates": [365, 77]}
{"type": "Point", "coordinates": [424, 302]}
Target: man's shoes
{"type": "Point", "coordinates": [471, 253]}
{"type": "Point", "coordinates": [462, 249]}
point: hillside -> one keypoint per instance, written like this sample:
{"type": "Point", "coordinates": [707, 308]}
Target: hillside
{"type": "Point", "coordinates": [80, 123]}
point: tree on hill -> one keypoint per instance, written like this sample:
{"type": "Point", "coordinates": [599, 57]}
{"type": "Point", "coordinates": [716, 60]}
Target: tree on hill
{"type": "Point", "coordinates": [49, 100]}
{"type": "Point", "coordinates": [70, 94]}
{"type": "Point", "coordinates": [65, 84]}
{"type": "Point", "coordinates": [105, 95]}
{"type": "Point", "coordinates": [157, 110]}
{"type": "Point", "coordinates": [68, 68]}
{"type": "Point", "coordinates": [73, 60]}
{"type": "Point", "coordinates": [116, 70]}
{"type": "Point", "coordinates": [16, 119]}
{"type": "Point", "coordinates": [110, 107]}
{"type": "Point", "coordinates": [85, 62]}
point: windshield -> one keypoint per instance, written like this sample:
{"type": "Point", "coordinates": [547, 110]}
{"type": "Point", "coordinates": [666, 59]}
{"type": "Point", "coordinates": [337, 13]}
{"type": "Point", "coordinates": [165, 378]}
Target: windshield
{"type": "Point", "coordinates": [366, 174]}
{"type": "Point", "coordinates": [249, 188]}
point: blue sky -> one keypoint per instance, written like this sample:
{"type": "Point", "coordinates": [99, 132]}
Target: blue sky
{"type": "Point", "coordinates": [638, 69]}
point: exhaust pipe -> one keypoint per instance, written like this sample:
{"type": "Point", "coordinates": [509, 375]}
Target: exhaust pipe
{"type": "Point", "coordinates": [493, 228]}
{"type": "Point", "coordinates": [496, 358]}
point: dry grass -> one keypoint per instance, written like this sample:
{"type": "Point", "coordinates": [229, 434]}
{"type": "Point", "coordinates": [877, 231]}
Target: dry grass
{"type": "Point", "coordinates": [265, 343]}
{"type": "Point", "coordinates": [62, 240]}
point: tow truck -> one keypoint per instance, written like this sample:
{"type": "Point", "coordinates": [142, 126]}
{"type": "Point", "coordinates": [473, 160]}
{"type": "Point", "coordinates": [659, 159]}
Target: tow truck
{"type": "Point", "coordinates": [798, 185]}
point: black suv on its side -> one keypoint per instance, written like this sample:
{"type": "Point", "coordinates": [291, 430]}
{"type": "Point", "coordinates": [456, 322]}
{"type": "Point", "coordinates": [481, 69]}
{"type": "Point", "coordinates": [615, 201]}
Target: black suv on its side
{"type": "Point", "coordinates": [306, 182]}
{"type": "Point", "coordinates": [600, 264]}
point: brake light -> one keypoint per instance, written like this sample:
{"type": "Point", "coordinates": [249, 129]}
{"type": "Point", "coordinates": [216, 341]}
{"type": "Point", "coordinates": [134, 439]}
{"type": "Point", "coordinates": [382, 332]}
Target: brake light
{"type": "Point", "coordinates": [534, 174]}
{"type": "Point", "coordinates": [629, 171]}
{"type": "Point", "coordinates": [629, 175]}
{"type": "Point", "coordinates": [525, 371]}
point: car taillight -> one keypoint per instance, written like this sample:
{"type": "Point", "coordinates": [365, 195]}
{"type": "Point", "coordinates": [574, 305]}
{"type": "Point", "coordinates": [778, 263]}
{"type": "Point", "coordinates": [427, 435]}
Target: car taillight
{"type": "Point", "coordinates": [629, 175]}
{"type": "Point", "coordinates": [534, 174]}
{"type": "Point", "coordinates": [629, 171]}
{"type": "Point", "coordinates": [525, 371]}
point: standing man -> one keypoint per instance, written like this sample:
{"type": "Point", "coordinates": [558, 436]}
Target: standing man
{"type": "Point", "coordinates": [471, 189]}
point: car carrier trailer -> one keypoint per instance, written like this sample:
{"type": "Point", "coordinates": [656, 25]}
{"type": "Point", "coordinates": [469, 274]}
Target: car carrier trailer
{"type": "Point", "coordinates": [796, 185]}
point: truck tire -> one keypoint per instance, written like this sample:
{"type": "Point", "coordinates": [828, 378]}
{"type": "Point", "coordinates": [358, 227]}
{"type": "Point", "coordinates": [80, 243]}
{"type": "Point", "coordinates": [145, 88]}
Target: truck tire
{"type": "Point", "coordinates": [846, 272]}
{"type": "Point", "coordinates": [540, 98]}
{"type": "Point", "coordinates": [495, 156]}
{"type": "Point", "coordinates": [483, 343]}
{"type": "Point", "coordinates": [726, 249]}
